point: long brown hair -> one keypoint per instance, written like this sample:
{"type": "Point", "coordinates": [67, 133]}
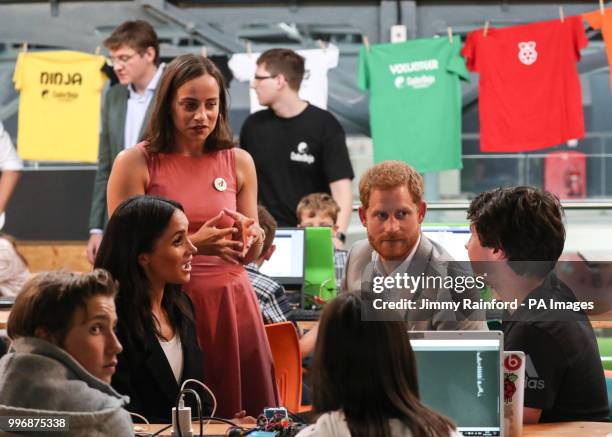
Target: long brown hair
{"type": "Point", "coordinates": [160, 129]}
{"type": "Point", "coordinates": [367, 370]}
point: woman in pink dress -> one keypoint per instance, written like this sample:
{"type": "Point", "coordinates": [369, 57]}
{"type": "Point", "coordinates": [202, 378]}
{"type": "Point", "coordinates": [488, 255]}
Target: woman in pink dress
{"type": "Point", "coordinates": [189, 157]}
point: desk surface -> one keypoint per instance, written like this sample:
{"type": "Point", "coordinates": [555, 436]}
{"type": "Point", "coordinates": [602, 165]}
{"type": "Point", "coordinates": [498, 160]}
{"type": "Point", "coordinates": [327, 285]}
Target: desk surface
{"type": "Point", "coordinates": [567, 429]}
{"type": "Point", "coordinates": [212, 429]}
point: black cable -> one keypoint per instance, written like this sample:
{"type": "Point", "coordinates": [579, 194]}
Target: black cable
{"type": "Point", "coordinates": [176, 414]}
{"type": "Point", "coordinates": [219, 419]}
{"type": "Point", "coordinates": [199, 402]}
{"type": "Point", "coordinates": [161, 430]}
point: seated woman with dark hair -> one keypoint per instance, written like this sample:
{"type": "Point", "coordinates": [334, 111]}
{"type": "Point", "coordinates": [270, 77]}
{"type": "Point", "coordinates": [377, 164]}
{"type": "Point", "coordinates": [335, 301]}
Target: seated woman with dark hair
{"type": "Point", "coordinates": [364, 379]}
{"type": "Point", "coordinates": [64, 353]}
{"type": "Point", "coordinates": [146, 248]}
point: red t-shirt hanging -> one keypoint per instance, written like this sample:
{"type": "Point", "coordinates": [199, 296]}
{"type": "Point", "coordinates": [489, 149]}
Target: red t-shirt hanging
{"type": "Point", "coordinates": [529, 87]}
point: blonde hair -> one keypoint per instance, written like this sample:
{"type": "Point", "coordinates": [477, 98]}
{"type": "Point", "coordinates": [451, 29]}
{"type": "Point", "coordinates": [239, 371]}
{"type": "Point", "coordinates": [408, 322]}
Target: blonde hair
{"type": "Point", "coordinates": [318, 203]}
{"type": "Point", "coordinates": [388, 175]}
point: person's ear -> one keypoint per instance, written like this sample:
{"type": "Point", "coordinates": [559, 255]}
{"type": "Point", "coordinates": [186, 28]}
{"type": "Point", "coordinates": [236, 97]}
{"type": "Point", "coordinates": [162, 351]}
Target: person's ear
{"type": "Point", "coordinates": [43, 334]}
{"type": "Point", "coordinates": [149, 54]}
{"type": "Point", "coordinates": [422, 210]}
{"type": "Point", "coordinates": [143, 260]}
{"type": "Point", "coordinates": [281, 81]}
{"type": "Point", "coordinates": [362, 216]}
{"type": "Point", "coordinates": [334, 230]}
{"type": "Point", "coordinates": [269, 252]}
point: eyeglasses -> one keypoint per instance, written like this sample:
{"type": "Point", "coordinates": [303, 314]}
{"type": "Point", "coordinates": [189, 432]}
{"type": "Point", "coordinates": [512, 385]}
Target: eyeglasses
{"type": "Point", "coordinates": [258, 78]}
{"type": "Point", "coordinates": [121, 60]}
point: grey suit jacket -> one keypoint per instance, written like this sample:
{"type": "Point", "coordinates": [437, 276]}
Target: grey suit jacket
{"type": "Point", "coordinates": [111, 143]}
{"type": "Point", "coordinates": [430, 259]}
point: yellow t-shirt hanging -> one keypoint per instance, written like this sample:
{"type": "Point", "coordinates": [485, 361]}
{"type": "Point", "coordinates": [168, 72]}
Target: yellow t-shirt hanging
{"type": "Point", "coordinates": [59, 105]}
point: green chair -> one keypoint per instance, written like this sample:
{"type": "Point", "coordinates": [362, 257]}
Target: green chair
{"type": "Point", "coordinates": [319, 273]}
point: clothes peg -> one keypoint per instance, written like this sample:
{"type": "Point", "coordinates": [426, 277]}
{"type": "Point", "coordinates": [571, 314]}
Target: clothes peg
{"type": "Point", "coordinates": [97, 52]}
{"type": "Point", "coordinates": [322, 45]}
{"type": "Point", "coordinates": [601, 7]}
{"type": "Point", "coordinates": [486, 28]}
{"type": "Point", "coordinates": [449, 30]}
{"type": "Point", "coordinates": [24, 47]}
{"type": "Point", "coordinates": [249, 49]}
{"type": "Point", "coordinates": [561, 14]}
{"type": "Point", "coordinates": [204, 52]}
{"type": "Point", "coordinates": [366, 42]}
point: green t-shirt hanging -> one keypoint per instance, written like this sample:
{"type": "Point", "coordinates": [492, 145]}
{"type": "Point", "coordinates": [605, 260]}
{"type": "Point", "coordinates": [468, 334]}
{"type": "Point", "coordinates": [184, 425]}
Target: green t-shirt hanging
{"type": "Point", "coordinates": [415, 101]}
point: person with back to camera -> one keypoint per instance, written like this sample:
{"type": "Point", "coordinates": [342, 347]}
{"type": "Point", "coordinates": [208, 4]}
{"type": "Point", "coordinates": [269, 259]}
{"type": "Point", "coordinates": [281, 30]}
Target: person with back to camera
{"type": "Point", "coordinates": [64, 353]}
{"type": "Point", "coordinates": [189, 156]}
{"type": "Point", "coordinates": [146, 249]}
{"type": "Point", "coordinates": [365, 380]}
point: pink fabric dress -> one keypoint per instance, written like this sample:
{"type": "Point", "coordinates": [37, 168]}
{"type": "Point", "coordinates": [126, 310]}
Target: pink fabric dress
{"type": "Point", "coordinates": [238, 363]}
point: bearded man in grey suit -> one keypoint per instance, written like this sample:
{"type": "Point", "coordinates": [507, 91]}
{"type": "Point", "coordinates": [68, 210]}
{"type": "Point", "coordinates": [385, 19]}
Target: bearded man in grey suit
{"type": "Point", "coordinates": [392, 210]}
{"type": "Point", "coordinates": [134, 52]}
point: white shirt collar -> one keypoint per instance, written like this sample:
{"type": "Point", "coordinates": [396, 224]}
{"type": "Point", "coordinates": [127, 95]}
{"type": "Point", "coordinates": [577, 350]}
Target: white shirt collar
{"type": "Point", "coordinates": [152, 83]}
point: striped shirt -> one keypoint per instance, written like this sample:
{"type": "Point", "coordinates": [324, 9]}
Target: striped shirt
{"type": "Point", "coordinates": [270, 294]}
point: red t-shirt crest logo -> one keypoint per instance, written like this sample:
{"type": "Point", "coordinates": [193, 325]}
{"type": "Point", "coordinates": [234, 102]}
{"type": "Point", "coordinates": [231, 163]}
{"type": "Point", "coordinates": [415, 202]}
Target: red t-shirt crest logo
{"type": "Point", "coordinates": [527, 52]}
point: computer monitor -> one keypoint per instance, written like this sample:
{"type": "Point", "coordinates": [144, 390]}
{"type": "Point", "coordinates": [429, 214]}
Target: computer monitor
{"type": "Point", "coordinates": [451, 238]}
{"type": "Point", "coordinates": [286, 265]}
{"type": "Point", "coordinates": [460, 375]}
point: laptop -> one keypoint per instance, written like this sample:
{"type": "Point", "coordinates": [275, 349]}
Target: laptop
{"type": "Point", "coordinates": [460, 375]}
{"type": "Point", "coordinates": [286, 265]}
{"type": "Point", "coordinates": [7, 301]}
{"type": "Point", "coordinates": [451, 238]}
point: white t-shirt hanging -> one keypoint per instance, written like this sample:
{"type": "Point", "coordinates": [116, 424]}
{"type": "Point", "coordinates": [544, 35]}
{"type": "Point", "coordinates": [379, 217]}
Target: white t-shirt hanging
{"type": "Point", "coordinates": [314, 85]}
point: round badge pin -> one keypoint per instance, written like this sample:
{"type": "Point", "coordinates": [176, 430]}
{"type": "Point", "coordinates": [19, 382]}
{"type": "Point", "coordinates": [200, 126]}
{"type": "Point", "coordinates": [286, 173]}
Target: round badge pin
{"type": "Point", "coordinates": [220, 184]}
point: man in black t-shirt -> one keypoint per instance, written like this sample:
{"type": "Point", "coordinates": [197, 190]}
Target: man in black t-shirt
{"type": "Point", "coordinates": [517, 238]}
{"type": "Point", "coordinates": [298, 148]}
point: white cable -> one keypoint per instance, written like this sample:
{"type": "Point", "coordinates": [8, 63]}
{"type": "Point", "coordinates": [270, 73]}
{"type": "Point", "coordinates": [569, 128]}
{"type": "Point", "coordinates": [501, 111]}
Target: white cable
{"type": "Point", "coordinates": [212, 395]}
{"type": "Point", "coordinates": [140, 417]}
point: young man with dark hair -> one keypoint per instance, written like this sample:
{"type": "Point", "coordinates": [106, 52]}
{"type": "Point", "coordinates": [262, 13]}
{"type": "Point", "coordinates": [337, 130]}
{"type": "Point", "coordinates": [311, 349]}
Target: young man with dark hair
{"type": "Point", "coordinates": [298, 148]}
{"type": "Point", "coordinates": [134, 52]}
{"type": "Point", "coordinates": [517, 238]}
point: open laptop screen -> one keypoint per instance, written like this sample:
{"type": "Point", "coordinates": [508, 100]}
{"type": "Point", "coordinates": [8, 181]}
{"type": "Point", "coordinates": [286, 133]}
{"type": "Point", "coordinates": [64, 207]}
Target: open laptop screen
{"type": "Point", "coordinates": [460, 376]}
{"type": "Point", "coordinates": [286, 266]}
{"type": "Point", "coordinates": [451, 238]}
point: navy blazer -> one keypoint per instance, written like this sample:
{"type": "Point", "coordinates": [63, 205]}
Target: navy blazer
{"type": "Point", "coordinates": [144, 374]}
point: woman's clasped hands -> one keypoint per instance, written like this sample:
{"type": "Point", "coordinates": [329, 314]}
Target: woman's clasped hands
{"type": "Point", "coordinates": [232, 243]}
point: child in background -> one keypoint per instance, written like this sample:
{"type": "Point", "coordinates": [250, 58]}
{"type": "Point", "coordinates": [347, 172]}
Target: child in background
{"type": "Point", "coordinates": [321, 210]}
{"type": "Point", "coordinates": [270, 294]}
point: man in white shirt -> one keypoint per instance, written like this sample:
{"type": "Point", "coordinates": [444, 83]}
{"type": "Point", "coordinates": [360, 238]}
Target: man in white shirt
{"type": "Point", "coordinates": [134, 52]}
{"type": "Point", "coordinates": [392, 210]}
